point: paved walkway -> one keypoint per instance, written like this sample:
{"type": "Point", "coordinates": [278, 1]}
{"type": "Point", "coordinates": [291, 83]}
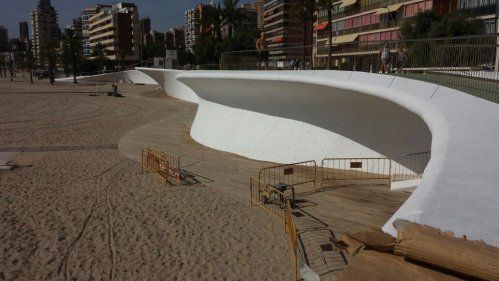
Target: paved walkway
{"type": "Point", "coordinates": [320, 217]}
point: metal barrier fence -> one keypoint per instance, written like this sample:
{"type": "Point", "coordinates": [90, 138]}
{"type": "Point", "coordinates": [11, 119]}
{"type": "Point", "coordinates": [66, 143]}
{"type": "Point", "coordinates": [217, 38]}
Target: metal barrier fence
{"type": "Point", "coordinates": [174, 165]}
{"type": "Point", "coordinates": [156, 164]}
{"type": "Point", "coordinates": [290, 174]}
{"type": "Point", "coordinates": [161, 164]}
{"type": "Point", "coordinates": [469, 64]}
{"type": "Point", "coordinates": [409, 166]}
{"type": "Point", "coordinates": [334, 170]}
{"type": "Point", "coordinates": [269, 198]}
{"type": "Point", "coordinates": [278, 205]}
{"type": "Point", "coordinates": [293, 238]}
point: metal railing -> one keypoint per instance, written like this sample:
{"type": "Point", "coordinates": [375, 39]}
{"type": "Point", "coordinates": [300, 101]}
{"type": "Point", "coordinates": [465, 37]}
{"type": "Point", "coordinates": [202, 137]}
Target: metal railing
{"type": "Point", "coordinates": [281, 209]}
{"type": "Point", "coordinates": [364, 170]}
{"type": "Point", "coordinates": [409, 166]}
{"type": "Point", "coordinates": [290, 174]}
{"type": "Point", "coordinates": [293, 238]}
{"type": "Point", "coordinates": [469, 64]}
{"type": "Point", "coordinates": [343, 170]}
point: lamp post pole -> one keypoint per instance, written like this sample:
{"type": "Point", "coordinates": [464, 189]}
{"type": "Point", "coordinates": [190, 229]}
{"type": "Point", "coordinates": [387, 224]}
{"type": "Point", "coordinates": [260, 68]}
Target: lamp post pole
{"type": "Point", "coordinates": [497, 38]}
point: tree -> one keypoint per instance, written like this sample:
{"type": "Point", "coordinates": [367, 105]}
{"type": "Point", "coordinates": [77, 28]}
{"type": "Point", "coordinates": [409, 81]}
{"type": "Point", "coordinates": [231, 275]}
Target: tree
{"type": "Point", "coordinates": [429, 24]}
{"type": "Point", "coordinates": [328, 6]}
{"type": "Point", "coordinates": [100, 51]}
{"type": "Point", "coordinates": [72, 52]}
{"type": "Point", "coordinates": [122, 53]}
{"type": "Point", "coordinates": [29, 64]}
{"type": "Point", "coordinates": [305, 12]}
{"type": "Point", "coordinates": [213, 17]}
{"type": "Point", "coordinates": [231, 15]}
{"type": "Point", "coordinates": [49, 57]}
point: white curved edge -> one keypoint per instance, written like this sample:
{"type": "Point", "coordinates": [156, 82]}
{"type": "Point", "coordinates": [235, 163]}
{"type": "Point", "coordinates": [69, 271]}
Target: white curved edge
{"type": "Point", "coordinates": [166, 78]}
{"type": "Point", "coordinates": [459, 191]}
{"type": "Point", "coordinates": [128, 76]}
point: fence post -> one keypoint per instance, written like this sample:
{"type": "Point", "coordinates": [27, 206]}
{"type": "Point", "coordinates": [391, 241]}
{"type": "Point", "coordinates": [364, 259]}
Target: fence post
{"type": "Point", "coordinates": [390, 174]}
{"type": "Point", "coordinates": [142, 165]}
{"type": "Point", "coordinates": [251, 192]}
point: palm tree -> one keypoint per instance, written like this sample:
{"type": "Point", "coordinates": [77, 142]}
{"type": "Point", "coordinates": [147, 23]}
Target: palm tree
{"type": "Point", "coordinates": [231, 15]}
{"type": "Point", "coordinates": [74, 46]}
{"type": "Point", "coordinates": [28, 62]}
{"type": "Point", "coordinates": [213, 17]}
{"type": "Point", "coordinates": [100, 50]}
{"type": "Point", "coordinates": [305, 12]}
{"type": "Point", "coordinates": [49, 57]}
{"type": "Point", "coordinates": [328, 5]}
{"type": "Point", "coordinates": [122, 53]}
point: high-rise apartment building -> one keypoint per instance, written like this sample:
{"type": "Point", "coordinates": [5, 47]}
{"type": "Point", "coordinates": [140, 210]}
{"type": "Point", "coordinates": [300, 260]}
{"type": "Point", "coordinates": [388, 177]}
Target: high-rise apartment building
{"type": "Point", "coordinates": [259, 5]}
{"type": "Point", "coordinates": [249, 21]}
{"type": "Point", "coordinates": [77, 27]}
{"type": "Point", "coordinates": [24, 36]}
{"type": "Point", "coordinates": [282, 28]}
{"type": "Point", "coordinates": [178, 37]}
{"type": "Point", "coordinates": [374, 22]}
{"type": "Point", "coordinates": [175, 39]}
{"type": "Point", "coordinates": [486, 10]}
{"type": "Point", "coordinates": [23, 31]}
{"type": "Point", "coordinates": [45, 27]}
{"type": "Point", "coordinates": [86, 14]}
{"type": "Point", "coordinates": [145, 28]}
{"type": "Point", "coordinates": [117, 27]}
{"type": "Point", "coordinates": [194, 26]}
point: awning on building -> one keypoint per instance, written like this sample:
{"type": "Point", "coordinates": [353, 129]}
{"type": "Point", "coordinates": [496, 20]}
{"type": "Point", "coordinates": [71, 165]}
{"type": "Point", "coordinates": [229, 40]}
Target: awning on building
{"type": "Point", "coordinates": [345, 38]}
{"type": "Point", "coordinates": [278, 39]}
{"type": "Point", "coordinates": [321, 26]}
{"type": "Point", "coordinates": [345, 3]}
{"type": "Point", "coordinates": [389, 9]}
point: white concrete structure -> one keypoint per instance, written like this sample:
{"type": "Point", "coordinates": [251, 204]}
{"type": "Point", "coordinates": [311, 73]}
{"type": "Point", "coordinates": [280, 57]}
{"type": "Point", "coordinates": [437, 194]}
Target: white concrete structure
{"type": "Point", "coordinates": [166, 78]}
{"type": "Point", "coordinates": [127, 76]}
{"type": "Point", "coordinates": [295, 116]}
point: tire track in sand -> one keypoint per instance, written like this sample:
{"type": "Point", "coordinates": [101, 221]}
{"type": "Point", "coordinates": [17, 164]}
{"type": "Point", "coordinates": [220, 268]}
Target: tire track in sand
{"type": "Point", "coordinates": [74, 244]}
{"type": "Point", "coordinates": [110, 227]}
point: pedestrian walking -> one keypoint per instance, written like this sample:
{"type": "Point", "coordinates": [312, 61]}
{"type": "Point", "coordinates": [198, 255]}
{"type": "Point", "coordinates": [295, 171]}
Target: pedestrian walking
{"type": "Point", "coordinates": [384, 55]}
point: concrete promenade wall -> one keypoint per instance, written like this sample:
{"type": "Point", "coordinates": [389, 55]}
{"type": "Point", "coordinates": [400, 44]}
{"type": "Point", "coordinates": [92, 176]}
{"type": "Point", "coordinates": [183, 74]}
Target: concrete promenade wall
{"type": "Point", "coordinates": [292, 116]}
{"type": "Point", "coordinates": [128, 76]}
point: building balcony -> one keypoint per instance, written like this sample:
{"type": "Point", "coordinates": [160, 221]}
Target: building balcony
{"type": "Point", "coordinates": [481, 10]}
{"type": "Point", "coordinates": [321, 34]}
{"type": "Point", "coordinates": [357, 8]}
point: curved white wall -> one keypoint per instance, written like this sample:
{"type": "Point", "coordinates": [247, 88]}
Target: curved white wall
{"type": "Point", "coordinates": [302, 123]}
{"type": "Point", "coordinates": [128, 76]}
{"type": "Point", "coordinates": [166, 79]}
{"type": "Point", "coordinates": [266, 115]}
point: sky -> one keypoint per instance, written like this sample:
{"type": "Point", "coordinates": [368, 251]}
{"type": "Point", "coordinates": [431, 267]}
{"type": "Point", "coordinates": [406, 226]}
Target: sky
{"type": "Point", "coordinates": [164, 14]}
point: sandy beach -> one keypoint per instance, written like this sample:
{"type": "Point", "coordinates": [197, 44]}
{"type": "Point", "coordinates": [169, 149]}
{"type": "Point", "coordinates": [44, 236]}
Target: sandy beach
{"type": "Point", "coordinates": [77, 208]}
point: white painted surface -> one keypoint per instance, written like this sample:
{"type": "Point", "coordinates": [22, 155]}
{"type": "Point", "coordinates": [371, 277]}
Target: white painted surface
{"type": "Point", "coordinates": [408, 185]}
{"type": "Point", "coordinates": [128, 76]}
{"type": "Point", "coordinates": [288, 116]}
{"type": "Point", "coordinates": [166, 79]}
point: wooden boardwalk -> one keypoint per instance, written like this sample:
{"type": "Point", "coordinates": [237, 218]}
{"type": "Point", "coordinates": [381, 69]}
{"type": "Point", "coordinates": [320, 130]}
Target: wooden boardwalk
{"type": "Point", "coordinates": [320, 217]}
